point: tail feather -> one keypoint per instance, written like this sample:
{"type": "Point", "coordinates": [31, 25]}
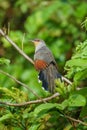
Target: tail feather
{"type": "Point", "coordinates": [43, 78]}
{"type": "Point", "coordinates": [48, 77]}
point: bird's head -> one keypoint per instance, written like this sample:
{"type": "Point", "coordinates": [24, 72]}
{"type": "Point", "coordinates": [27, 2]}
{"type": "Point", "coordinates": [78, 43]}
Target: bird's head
{"type": "Point", "coordinates": [37, 42]}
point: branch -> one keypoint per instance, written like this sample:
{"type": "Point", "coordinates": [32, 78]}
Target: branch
{"type": "Point", "coordinates": [16, 47]}
{"type": "Point", "coordinates": [30, 102]}
{"type": "Point", "coordinates": [78, 121]}
{"type": "Point", "coordinates": [34, 93]}
{"type": "Point", "coordinates": [66, 80]}
{"type": "Point", "coordinates": [24, 85]}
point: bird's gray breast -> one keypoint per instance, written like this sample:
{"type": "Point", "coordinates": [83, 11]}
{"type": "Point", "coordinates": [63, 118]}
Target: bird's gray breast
{"type": "Point", "coordinates": [44, 54]}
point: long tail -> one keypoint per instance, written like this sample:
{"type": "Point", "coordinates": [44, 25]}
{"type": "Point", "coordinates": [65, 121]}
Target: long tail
{"type": "Point", "coordinates": [48, 77]}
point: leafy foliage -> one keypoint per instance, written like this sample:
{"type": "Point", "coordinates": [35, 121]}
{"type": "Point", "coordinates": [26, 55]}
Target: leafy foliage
{"type": "Point", "coordinates": [59, 24]}
{"type": "Point", "coordinates": [77, 66]}
{"type": "Point", "coordinates": [4, 61]}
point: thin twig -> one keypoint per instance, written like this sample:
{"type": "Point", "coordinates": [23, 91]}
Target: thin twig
{"type": "Point", "coordinates": [8, 29]}
{"type": "Point", "coordinates": [23, 42]}
{"type": "Point", "coordinates": [30, 102]}
{"type": "Point", "coordinates": [24, 85]}
{"type": "Point", "coordinates": [66, 80]}
{"type": "Point", "coordinates": [75, 120]}
{"type": "Point", "coordinates": [16, 47]}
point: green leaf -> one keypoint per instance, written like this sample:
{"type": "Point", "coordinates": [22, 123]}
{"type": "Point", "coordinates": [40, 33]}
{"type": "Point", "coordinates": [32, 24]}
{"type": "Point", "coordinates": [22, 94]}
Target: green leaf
{"type": "Point", "coordinates": [34, 127]}
{"type": "Point", "coordinates": [84, 112]}
{"type": "Point", "coordinates": [5, 117]}
{"type": "Point", "coordinates": [82, 91]}
{"type": "Point", "coordinates": [80, 63]}
{"type": "Point", "coordinates": [46, 106]}
{"type": "Point", "coordinates": [80, 75]}
{"type": "Point", "coordinates": [77, 100]}
{"type": "Point", "coordinates": [49, 106]}
{"type": "Point", "coordinates": [4, 61]}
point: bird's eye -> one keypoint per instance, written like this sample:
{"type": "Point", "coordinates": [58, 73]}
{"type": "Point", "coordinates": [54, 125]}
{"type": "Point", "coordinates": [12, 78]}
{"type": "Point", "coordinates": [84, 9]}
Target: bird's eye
{"type": "Point", "coordinates": [37, 40]}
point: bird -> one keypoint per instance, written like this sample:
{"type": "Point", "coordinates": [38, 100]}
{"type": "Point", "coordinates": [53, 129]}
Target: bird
{"type": "Point", "coordinates": [46, 65]}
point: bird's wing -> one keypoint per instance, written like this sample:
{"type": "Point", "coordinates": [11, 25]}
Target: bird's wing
{"type": "Point", "coordinates": [40, 64]}
{"type": "Point", "coordinates": [45, 55]}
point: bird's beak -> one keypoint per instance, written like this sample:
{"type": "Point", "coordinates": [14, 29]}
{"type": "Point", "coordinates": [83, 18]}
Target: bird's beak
{"type": "Point", "coordinates": [31, 41]}
{"type": "Point", "coordinates": [34, 42]}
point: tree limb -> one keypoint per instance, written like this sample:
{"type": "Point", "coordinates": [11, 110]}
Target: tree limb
{"type": "Point", "coordinates": [30, 102]}
{"type": "Point", "coordinates": [16, 47]}
{"type": "Point", "coordinates": [24, 85]}
{"type": "Point", "coordinates": [75, 120]}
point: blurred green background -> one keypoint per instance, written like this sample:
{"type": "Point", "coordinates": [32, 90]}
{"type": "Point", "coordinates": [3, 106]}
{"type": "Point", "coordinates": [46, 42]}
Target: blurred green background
{"type": "Point", "coordinates": [58, 22]}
